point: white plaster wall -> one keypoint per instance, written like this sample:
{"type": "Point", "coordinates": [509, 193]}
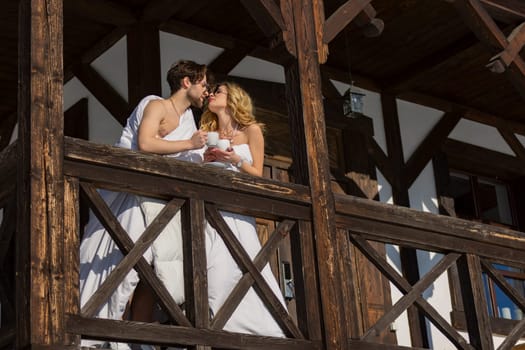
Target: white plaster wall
{"type": "Point", "coordinates": [255, 68]}
{"type": "Point", "coordinates": [415, 122]}
{"type": "Point", "coordinates": [480, 135]}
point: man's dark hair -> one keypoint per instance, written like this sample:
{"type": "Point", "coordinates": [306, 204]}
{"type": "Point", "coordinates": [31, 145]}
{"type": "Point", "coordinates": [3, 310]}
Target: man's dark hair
{"type": "Point", "coordinates": [184, 68]}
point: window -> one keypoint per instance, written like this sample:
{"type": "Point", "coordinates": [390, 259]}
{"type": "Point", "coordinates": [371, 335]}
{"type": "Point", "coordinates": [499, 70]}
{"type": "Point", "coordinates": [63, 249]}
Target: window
{"type": "Point", "coordinates": [489, 201]}
{"type": "Point", "coordinates": [481, 199]}
{"type": "Point", "coordinates": [500, 305]}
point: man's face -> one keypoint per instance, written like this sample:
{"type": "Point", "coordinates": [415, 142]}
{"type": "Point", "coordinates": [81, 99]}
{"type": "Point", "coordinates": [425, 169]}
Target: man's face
{"type": "Point", "coordinates": [198, 92]}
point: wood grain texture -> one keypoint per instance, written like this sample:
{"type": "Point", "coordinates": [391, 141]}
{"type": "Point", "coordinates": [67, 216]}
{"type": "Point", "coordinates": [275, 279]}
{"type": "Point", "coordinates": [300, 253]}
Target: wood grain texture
{"type": "Point", "coordinates": [40, 238]}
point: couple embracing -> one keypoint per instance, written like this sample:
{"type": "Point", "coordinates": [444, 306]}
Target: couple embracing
{"type": "Point", "coordinates": [167, 127]}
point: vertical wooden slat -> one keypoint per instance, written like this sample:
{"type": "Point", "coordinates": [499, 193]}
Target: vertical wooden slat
{"type": "Point", "coordinates": [40, 282]}
{"type": "Point", "coordinates": [306, 287]}
{"type": "Point", "coordinates": [475, 302]}
{"type": "Point", "coordinates": [352, 293]}
{"type": "Point", "coordinates": [195, 268]}
{"type": "Point", "coordinates": [311, 164]}
{"type": "Point", "coordinates": [71, 251]}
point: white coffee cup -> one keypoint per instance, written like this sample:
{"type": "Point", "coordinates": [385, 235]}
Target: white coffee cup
{"type": "Point", "coordinates": [213, 138]}
{"type": "Point", "coordinates": [223, 144]}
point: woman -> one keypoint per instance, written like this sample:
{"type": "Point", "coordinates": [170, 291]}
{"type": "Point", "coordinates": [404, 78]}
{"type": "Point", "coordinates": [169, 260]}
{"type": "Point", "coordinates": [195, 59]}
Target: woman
{"type": "Point", "coordinates": [230, 113]}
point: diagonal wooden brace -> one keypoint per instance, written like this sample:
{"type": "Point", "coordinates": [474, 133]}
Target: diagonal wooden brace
{"type": "Point", "coordinates": [516, 41]}
{"type": "Point", "coordinates": [345, 14]}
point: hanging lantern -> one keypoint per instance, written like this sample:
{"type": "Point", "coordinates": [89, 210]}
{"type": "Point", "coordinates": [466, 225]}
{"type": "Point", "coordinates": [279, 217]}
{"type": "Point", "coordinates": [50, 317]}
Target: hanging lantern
{"type": "Point", "coordinates": [352, 103]}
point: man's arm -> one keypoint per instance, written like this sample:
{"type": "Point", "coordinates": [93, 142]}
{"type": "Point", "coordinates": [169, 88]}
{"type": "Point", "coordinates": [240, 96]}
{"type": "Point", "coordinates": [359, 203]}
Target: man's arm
{"type": "Point", "coordinates": [149, 139]}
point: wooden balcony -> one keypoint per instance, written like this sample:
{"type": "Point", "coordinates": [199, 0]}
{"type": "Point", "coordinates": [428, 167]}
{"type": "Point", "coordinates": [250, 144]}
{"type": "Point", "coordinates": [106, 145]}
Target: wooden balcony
{"type": "Point", "coordinates": [200, 192]}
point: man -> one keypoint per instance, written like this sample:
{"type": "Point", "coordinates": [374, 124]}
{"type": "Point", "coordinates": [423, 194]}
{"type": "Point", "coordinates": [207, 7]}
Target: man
{"type": "Point", "coordinates": [160, 126]}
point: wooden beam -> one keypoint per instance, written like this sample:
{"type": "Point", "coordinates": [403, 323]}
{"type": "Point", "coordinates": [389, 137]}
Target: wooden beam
{"type": "Point", "coordinates": [6, 129]}
{"type": "Point", "coordinates": [96, 50]}
{"type": "Point", "coordinates": [514, 143]}
{"type": "Point", "coordinates": [474, 159]}
{"type": "Point", "coordinates": [488, 32]}
{"type": "Point", "coordinates": [193, 221]}
{"type": "Point", "coordinates": [71, 251]}
{"type": "Point", "coordinates": [103, 92]}
{"type": "Point", "coordinates": [305, 272]}
{"type": "Point", "coordinates": [193, 32]}
{"type": "Point", "coordinates": [267, 15]}
{"type": "Point", "coordinates": [342, 17]}
{"type": "Point", "coordinates": [101, 11]}
{"type": "Point", "coordinates": [311, 161]}
{"type": "Point", "coordinates": [506, 11]}
{"type": "Point", "coordinates": [143, 53]}
{"type": "Point", "coordinates": [475, 302]}
{"type": "Point", "coordinates": [328, 88]}
{"type": "Point", "coordinates": [405, 79]}
{"type": "Point", "coordinates": [40, 268]}
{"type": "Point", "coordinates": [383, 163]}
{"type": "Point", "coordinates": [229, 59]}
{"type": "Point", "coordinates": [409, 263]}
{"type": "Point", "coordinates": [394, 148]}
{"type": "Point", "coordinates": [289, 33]}
{"type": "Point", "coordinates": [516, 39]}
{"type": "Point", "coordinates": [8, 160]}
{"type": "Point", "coordinates": [171, 335]}
{"type": "Point", "coordinates": [76, 120]}
{"type": "Point", "coordinates": [430, 146]}
{"type": "Point", "coordinates": [159, 11]}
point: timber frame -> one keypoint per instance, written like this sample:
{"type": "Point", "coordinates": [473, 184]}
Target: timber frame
{"type": "Point", "coordinates": [45, 174]}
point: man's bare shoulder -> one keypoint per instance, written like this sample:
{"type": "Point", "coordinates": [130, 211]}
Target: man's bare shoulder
{"type": "Point", "coordinates": [155, 109]}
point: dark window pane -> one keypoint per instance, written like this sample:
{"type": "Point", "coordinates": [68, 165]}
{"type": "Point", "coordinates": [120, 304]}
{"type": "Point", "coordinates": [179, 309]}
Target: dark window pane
{"type": "Point", "coordinates": [494, 203]}
{"type": "Point", "coordinates": [459, 189]}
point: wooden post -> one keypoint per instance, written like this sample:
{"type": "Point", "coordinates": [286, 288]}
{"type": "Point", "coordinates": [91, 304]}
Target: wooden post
{"type": "Point", "coordinates": [143, 62]}
{"type": "Point", "coordinates": [409, 263]}
{"type": "Point", "coordinates": [475, 302]}
{"type": "Point", "coordinates": [311, 164]}
{"type": "Point", "coordinates": [40, 184]}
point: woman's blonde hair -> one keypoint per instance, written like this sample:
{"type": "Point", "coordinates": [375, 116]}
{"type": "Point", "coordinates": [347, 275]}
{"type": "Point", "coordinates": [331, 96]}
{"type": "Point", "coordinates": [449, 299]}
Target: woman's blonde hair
{"type": "Point", "coordinates": [239, 105]}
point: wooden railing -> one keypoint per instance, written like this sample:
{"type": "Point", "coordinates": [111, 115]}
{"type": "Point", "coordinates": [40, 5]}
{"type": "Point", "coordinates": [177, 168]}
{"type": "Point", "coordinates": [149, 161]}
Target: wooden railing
{"type": "Point", "coordinates": [200, 192]}
{"type": "Point", "coordinates": [472, 247]}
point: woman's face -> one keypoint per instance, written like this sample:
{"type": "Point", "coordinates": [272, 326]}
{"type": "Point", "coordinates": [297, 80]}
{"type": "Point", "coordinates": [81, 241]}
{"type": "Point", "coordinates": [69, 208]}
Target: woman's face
{"type": "Point", "coordinates": [218, 98]}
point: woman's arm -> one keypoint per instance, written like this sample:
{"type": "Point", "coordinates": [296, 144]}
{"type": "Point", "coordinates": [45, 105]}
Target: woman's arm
{"type": "Point", "coordinates": [149, 139]}
{"type": "Point", "coordinates": [256, 144]}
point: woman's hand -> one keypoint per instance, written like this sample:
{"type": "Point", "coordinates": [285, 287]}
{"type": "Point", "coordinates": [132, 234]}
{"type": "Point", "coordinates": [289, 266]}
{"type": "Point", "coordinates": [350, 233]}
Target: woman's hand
{"type": "Point", "coordinates": [216, 154]}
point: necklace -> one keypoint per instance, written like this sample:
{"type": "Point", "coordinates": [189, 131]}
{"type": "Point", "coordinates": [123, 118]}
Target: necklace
{"type": "Point", "coordinates": [228, 134]}
{"type": "Point", "coordinates": [175, 108]}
